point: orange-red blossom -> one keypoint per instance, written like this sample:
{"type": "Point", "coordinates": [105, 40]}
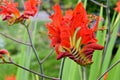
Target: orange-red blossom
{"type": "Point", "coordinates": [70, 35]}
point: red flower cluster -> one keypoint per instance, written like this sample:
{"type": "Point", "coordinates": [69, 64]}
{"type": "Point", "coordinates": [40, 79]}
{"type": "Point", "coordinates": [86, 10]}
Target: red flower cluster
{"type": "Point", "coordinates": [71, 36]}
{"type": "Point", "coordinates": [118, 7]}
{"type": "Point", "coordinates": [8, 9]}
{"type": "Point", "coordinates": [10, 12]}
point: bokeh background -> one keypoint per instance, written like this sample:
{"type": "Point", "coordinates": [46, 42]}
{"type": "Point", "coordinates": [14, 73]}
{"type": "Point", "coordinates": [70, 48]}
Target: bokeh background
{"type": "Point", "coordinates": [20, 52]}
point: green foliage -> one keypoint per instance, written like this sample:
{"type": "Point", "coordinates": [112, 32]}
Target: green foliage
{"type": "Point", "coordinates": [19, 52]}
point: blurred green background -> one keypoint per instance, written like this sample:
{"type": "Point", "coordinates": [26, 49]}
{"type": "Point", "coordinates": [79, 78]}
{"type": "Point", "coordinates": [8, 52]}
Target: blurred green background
{"type": "Point", "coordinates": [51, 65]}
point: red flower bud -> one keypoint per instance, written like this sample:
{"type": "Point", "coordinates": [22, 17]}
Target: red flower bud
{"type": "Point", "coordinates": [3, 52]}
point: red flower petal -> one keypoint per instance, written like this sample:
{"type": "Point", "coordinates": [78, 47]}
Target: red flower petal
{"type": "Point", "coordinates": [57, 16]}
{"type": "Point", "coordinates": [79, 18]}
{"type": "Point", "coordinates": [30, 7]}
{"type": "Point", "coordinates": [64, 54]}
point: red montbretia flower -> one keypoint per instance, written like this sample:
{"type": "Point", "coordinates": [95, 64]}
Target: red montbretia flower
{"type": "Point", "coordinates": [71, 36]}
{"type": "Point", "coordinates": [118, 7]}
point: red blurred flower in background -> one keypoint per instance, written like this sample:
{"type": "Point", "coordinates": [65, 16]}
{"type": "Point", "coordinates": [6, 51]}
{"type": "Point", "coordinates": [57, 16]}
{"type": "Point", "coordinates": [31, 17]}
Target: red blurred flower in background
{"type": "Point", "coordinates": [10, 12]}
{"type": "Point", "coordinates": [118, 7]}
{"type": "Point", "coordinates": [30, 7]}
{"type": "Point", "coordinates": [71, 36]}
{"type": "Point", "coordinates": [12, 77]}
{"type": "Point", "coordinates": [3, 52]}
{"type": "Point", "coordinates": [9, 9]}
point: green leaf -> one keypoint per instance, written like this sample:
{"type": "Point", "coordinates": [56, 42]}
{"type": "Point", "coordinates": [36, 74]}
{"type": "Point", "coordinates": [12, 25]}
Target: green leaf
{"type": "Point", "coordinates": [22, 74]}
{"type": "Point", "coordinates": [25, 56]}
{"type": "Point", "coordinates": [85, 4]}
{"type": "Point", "coordinates": [110, 47]}
{"type": "Point", "coordinates": [97, 56]}
{"type": "Point", "coordinates": [79, 1]}
{"type": "Point", "coordinates": [114, 74]}
{"type": "Point", "coordinates": [71, 71]}
{"type": "Point", "coordinates": [113, 19]}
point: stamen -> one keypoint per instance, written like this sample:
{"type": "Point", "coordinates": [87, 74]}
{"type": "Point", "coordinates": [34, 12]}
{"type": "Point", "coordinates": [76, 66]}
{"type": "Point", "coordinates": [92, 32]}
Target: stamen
{"type": "Point", "coordinates": [73, 50]}
{"type": "Point", "coordinates": [74, 36]}
{"type": "Point", "coordinates": [78, 43]}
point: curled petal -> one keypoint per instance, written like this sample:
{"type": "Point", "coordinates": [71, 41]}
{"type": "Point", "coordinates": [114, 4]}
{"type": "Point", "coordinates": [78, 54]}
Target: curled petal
{"type": "Point", "coordinates": [6, 17]}
{"type": "Point", "coordinates": [64, 54]}
{"type": "Point", "coordinates": [57, 16]}
{"type": "Point", "coordinates": [94, 46]}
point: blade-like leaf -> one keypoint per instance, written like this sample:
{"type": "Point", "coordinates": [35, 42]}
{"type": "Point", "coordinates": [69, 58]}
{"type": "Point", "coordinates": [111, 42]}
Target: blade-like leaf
{"type": "Point", "coordinates": [97, 56]}
{"type": "Point", "coordinates": [22, 74]}
{"type": "Point", "coordinates": [110, 47]}
{"type": "Point", "coordinates": [71, 71]}
{"type": "Point", "coordinates": [114, 74]}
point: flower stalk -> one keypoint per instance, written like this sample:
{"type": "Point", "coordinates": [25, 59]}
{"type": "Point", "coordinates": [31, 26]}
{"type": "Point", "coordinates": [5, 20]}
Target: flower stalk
{"type": "Point", "coordinates": [35, 52]}
{"type": "Point", "coordinates": [31, 71]}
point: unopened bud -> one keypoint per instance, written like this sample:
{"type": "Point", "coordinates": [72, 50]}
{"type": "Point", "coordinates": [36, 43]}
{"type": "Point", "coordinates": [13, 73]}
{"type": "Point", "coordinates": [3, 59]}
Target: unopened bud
{"type": "Point", "coordinates": [4, 52]}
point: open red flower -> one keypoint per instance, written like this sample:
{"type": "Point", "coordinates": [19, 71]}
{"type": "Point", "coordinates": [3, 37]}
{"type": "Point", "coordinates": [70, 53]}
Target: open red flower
{"type": "Point", "coordinates": [118, 7]}
{"type": "Point", "coordinates": [71, 36]}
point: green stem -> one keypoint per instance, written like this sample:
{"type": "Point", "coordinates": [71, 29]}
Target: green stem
{"type": "Point", "coordinates": [115, 23]}
{"type": "Point", "coordinates": [43, 60]}
{"type": "Point", "coordinates": [31, 71]}
{"type": "Point", "coordinates": [35, 52]}
{"type": "Point", "coordinates": [3, 34]}
{"type": "Point", "coordinates": [85, 4]}
{"type": "Point", "coordinates": [109, 34]}
{"type": "Point", "coordinates": [97, 3]}
{"type": "Point", "coordinates": [61, 68]}
{"type": "Point", "coordinates": [84, 73]}
{"type": "Point", "coordinates": [79, 1]}
{"type": "Point", "coordinates": [113, 19]}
